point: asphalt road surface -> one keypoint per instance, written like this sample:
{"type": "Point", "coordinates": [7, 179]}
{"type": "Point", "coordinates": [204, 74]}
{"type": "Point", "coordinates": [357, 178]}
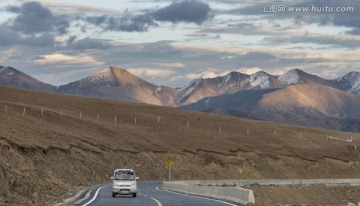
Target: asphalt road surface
{"type": "Point", "coordinates": [148, 195]}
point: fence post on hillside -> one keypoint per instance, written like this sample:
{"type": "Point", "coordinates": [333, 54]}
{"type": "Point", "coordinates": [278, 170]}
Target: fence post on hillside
{"type": "Point", "coordinates": [97, 118]}
{"type": "Point", "coordinates": [42, 111]}
{"type": "Point", "coordinates": [300, 135]}
{"type": "Point", "coordinates": [135, 120]}
{"type": "Point", "coordinates": [158, 119]}
{"type": "Point", "coordinates": [115, 120]}
{"type": "Point", "coordinates": [248, 131]}
{"type": "Point", "coordinates": [188, 125]}
{"type": "Point", "coordinates": [61, 113]}
{"type": "Point", "coordinates": [275, 133]}
{"type": "Point", "coordinates": [24, 111]}
{"type": "Point", "coordinates": [6, 109]}
{"type": "Point", "coordinates": [219, 129]}
{"type": "Point", "coordinates": [80, 115]}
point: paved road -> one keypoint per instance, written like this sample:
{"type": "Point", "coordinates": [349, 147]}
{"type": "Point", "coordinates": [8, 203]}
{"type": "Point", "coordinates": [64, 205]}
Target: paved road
{"type": "Point", "coordinates": [148, 195]}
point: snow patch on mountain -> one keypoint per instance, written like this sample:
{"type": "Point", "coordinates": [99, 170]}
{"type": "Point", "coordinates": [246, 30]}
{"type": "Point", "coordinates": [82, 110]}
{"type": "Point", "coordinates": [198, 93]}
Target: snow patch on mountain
{"type": "Point", "coordinates": [158, 89]}
{"type": "Point", "coordinates": [355, 88]}
{"type": "Point", "coordinates": [7, 71]}
{"type": "Point", "coordinates": [228, 78]}
{"type": "Point", "coordinates": [104, 75]}
{"type": "Point", "coordinates": [189, 91]}
{"type": "Point", "coordinates": [190, 88]}
{"type": "Point", "coordinates": [290, 77]}
{"type": "Point", "coordinates": [353, 80]}
{"type": "Point", "coordinates": [260, 79]}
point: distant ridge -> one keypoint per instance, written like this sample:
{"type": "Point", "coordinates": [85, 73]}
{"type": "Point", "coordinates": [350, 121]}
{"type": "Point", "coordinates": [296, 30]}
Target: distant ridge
{"type": "Point", "coordinates": [15, 78]}
{"type": "Point", "coordinates": [293, 97]}
{"type": "Point", "coordinates": [119, 84]}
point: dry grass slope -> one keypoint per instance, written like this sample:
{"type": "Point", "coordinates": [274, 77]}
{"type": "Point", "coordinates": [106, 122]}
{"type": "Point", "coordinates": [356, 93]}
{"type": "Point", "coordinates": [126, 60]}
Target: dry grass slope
{"type": "Point", "coordinates": [44, 156]}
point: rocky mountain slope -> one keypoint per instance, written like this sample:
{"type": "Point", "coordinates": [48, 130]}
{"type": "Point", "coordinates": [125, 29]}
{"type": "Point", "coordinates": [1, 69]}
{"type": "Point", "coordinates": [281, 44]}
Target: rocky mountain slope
{"type": "Point", "coordinates": [118, 84]}
{"type": "Point", "coordinates": [295, 96]}
{"type": "Point", "coordinates": [304, 104]}
{"type": "Point", "coordinates": [349, 82]}
{"type": "Point", "coordinates": [47, 158]}
{"type": "Point", "coordinates": [233, 82]}
{"type": "Point", "coordinates": [15, 78]}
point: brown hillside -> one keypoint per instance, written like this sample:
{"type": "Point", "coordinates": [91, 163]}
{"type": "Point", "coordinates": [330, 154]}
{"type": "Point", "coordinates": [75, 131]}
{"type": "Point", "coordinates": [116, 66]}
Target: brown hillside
{"type": "Point", "coordinates": [43, 157]}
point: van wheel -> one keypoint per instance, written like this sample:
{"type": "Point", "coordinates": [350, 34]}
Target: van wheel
{"type": "Point", "coordinates": [113, 194]}
{"type": "Point", "coordinates": [134, 195]}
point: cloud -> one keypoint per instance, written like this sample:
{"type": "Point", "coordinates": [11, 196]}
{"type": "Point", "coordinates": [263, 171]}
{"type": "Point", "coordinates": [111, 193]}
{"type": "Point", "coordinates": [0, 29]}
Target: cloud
{"type": "Point", "coordinates": [33, 18]}
{"type": "Point", "coordinates": [71, 39]}
{"type": "Point", "coordinates": [76, 9]}
{"type": "Point", "coordinates": [65, 60]}
{"type": "Point", "coordinates": [150, 72]}
{"type": "Point", "coordinates": [354, 31]}
{"type": "Point", "coordinates": [347, 19]}
{"type": "Point", "coordinates": [87, 43]}
{"type": "Point", "coordinates": [249, 70]}
{"type": "Point", "coordinates": [323, 39]}
{"type": "Point", "coordinates": [189, 11]}
{"type": "Point", "coordinates": [128, 22]}
{"type": "Point", "coordinates": [171, 65]}
{"type": "Point", "coordinates": [210, 73]}
{"type": "Point", "coordinates": [8, 37]}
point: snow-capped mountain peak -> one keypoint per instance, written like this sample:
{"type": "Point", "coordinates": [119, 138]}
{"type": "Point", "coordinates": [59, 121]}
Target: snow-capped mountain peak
{"type": "Point", "coordinates": [7, 71]}
{"type": "Point", "coordinates": [352, 80]}
{"type": "Point", "coordinates": [104, 75]}
{"type": "Point", "coordinates": [352, 76]}
{"type": "Point", "coordinates": [260, 79]}
{"type": "Point", "coordinates": [290, 77]}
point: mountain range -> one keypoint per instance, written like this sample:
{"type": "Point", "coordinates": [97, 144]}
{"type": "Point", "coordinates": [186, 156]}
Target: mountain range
{"type": "Point", "coordinates": [293, 97]}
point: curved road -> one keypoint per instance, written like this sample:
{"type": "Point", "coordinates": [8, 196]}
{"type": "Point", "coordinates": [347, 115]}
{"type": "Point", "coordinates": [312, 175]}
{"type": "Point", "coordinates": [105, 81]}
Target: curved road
{"type": "Point", "coordinates": [148, 195]}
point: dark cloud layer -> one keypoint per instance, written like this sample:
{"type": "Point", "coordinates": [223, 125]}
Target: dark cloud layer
{"type": "Point", "coordinates": [8, 37]}
{"type": "Point", "coordinates": [127, 22]}
{"type": "Point", "coordinates": [34, 18]}
{"type": "Point", "coordinates": [190, 11]}
{"type": "Point", "coordinates": [33, 25]}
{"type": "Point", "coordinates": [88, 43]}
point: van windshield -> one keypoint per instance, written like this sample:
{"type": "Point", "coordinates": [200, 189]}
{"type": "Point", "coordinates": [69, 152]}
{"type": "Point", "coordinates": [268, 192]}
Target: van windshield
{"type": "Point", "coordinates": [124, 175]}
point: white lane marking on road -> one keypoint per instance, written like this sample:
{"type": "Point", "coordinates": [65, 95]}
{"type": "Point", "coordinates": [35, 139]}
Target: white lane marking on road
{"type": "Point", "coordinates": [157, 201]}
{"type": "Point", "coordinates": [196, 197]}
{"type": "Point", "coordinates": [95, 196]}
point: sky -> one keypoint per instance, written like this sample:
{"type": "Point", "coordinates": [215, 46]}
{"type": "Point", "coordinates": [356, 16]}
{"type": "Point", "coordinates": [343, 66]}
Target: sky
{"type": "Point", "coordinates": [171, 43]}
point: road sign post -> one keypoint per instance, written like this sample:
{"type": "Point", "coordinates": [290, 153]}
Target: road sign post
{"type": "Point", "coordinates": [169, 162]}
{"type": "Point", "coordinates": [169, 173]}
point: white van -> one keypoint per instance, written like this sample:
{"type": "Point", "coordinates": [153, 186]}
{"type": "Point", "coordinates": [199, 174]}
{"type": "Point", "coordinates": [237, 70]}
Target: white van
{"type": "Point", "coordinates": [124, 182]}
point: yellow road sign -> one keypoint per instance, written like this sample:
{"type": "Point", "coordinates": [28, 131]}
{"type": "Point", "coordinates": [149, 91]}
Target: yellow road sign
{"type": "Point", "coordinates": [170, 161]}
